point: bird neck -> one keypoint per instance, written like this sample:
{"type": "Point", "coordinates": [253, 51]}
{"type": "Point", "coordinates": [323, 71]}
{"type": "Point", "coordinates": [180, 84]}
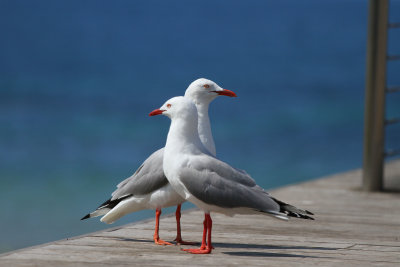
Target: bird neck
{"type": "Point", "coordinates": [183, 136]}
{"type": "Point", "coordinates": [204, 128]}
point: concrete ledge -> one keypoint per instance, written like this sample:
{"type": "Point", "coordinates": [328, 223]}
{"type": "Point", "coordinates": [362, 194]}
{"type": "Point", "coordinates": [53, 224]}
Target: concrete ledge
{"type": "Point", "coordinates": [352, 228]}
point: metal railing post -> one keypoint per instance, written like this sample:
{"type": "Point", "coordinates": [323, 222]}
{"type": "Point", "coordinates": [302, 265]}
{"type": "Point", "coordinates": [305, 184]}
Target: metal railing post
{"type": "Point", "coordinates": [375, 96]}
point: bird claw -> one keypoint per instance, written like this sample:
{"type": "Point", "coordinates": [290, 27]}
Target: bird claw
{"type": "Point", "coordinates": [204, 247]}
{"type": "Point", "coordinates": [162, 242]}
{"type": "Point", "coordinates": [198, 250]}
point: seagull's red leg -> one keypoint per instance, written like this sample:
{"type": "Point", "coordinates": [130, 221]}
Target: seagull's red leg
{"type": "Point", "coordinates": [203, 241]}
{"type": "Point", "coordinates": [209, 228]}
{"type": "Point", "coordinates": [208, 248]}
{"type": "Point", "coordinates": [178, 238]}
{"type": "Point", "coordinates": [157, 239]}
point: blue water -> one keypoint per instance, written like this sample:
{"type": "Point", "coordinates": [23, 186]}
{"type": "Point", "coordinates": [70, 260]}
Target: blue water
{"type": "Point", "coordinates": [78, 78]}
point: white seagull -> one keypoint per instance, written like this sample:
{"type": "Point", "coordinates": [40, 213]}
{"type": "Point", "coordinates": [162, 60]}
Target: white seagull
{"type": "Point", "coordinates": [148, 187]}
{"type": "Point", "coordinates": [211, 184]}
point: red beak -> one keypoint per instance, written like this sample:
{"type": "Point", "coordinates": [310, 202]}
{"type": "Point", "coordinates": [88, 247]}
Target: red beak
{"type": "Point", "coordinates": [156, 112]}
{"type": "Point", "coordinates": [226, 93]}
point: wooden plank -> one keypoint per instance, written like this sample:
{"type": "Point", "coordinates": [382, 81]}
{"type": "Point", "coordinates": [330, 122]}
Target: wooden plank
{"type": "Point", "coordinates": [352, 228]}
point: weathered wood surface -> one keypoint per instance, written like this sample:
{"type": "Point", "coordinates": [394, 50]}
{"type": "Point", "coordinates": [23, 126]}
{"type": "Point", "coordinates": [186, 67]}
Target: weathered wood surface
{"type": "Point", "coordinates": [352, 228]}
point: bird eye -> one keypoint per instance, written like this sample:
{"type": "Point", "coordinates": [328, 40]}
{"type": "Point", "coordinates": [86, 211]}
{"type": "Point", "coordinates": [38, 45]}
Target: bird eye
{"type": "Point", "coordinates": [206, 86]}
{"type": "Point", "coordinates": [168, 105]}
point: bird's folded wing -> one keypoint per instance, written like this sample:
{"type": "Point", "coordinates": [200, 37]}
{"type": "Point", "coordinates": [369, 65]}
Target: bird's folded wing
{"type": "Point", "coordinates": [217, 183]}
{"type": "Point", "coordinates": [148, 178]}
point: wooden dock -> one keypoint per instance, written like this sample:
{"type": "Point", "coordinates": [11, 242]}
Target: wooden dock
{"type": "Point", "coordinates": [352, 228]}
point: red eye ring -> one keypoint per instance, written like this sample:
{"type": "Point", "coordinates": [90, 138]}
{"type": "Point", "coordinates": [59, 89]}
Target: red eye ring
{"type": "Point", "coordinates": [168, 105]}
{"type": "Point", "coordinates": [206, 86]}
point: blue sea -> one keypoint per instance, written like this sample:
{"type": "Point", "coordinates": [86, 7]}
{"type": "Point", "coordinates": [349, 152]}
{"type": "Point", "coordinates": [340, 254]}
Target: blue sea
{"type": "Point", "coordinates": [78, 79]}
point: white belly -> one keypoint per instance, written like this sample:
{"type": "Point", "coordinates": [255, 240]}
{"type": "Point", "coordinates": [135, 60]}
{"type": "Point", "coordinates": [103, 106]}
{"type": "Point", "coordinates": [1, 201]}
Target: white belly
{"type": "Point", "coordinates": [161, 198]}
{"type": "Point", "coordinates": [164, 197]}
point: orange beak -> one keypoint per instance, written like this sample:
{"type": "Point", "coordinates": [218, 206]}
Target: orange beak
{"type": "Point", "coordinates": [226, 93]}
{"type": "Point", "coordinates": [156, 112]}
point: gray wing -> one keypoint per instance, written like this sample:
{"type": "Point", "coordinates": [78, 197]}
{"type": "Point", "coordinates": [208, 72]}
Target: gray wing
{"type": "Point", "coordinates": [148, 178]}
{"type": "Point", "coordinates": [217, 183]}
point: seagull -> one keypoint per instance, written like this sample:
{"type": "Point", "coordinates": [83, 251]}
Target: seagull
{"type": "Point", "coordinates": [211, 184]}
{"type": "Point", "coordinates": [148, 188]}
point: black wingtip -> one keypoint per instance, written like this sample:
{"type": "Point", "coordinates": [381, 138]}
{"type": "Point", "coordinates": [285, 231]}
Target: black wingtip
{"type": "Point", "coordinates": [292, 211]}
{"type": "Point", "coordinates": [298, 215]}
{"type": "Point", "coordinates": [307, 217]}
{"type": "Point", "coordinates": [86, 217]}
{"type": "Point", "coordinates": [309, 212]}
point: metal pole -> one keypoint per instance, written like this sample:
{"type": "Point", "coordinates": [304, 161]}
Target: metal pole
{"type": "Point", "coordinates": [375, 96]}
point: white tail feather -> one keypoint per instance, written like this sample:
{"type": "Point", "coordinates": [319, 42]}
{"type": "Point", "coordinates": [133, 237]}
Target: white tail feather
{"type": "Point", "coordinates": [100, 212]}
